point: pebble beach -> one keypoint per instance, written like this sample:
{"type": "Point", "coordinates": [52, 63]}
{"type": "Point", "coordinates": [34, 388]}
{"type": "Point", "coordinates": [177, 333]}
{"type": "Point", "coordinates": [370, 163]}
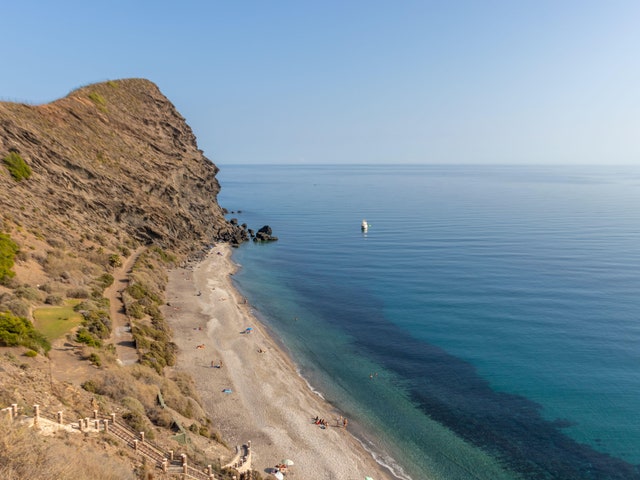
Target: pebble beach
{"type": "Point", "coordinates": [250, 387]}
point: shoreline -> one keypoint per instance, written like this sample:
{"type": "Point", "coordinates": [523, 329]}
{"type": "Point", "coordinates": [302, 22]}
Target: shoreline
{"type": "Point", "coordinates": [270, 403]}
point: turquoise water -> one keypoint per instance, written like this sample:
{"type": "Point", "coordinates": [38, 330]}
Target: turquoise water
{"type": "Point", "coordinates": [486, 326]}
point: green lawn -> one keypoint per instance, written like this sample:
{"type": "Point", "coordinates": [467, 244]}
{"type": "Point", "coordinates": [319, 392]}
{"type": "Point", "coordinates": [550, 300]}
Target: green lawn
{"type": "Point", "coordinates": [54, 322]}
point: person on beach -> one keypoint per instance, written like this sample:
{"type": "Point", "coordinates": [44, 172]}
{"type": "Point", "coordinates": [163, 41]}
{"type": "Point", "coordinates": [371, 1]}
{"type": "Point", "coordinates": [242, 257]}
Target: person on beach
{"type": "Point", "coordinates": [345, 422]}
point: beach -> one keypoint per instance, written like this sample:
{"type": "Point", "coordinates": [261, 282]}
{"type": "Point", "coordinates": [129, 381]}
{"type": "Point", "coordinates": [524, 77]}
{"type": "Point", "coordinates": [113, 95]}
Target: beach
{"type": "Point", "coordinates": [249, 386]}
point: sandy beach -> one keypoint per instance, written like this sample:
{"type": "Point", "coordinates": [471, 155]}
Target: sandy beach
{"type": "Point", "coordinates": [269, 403]}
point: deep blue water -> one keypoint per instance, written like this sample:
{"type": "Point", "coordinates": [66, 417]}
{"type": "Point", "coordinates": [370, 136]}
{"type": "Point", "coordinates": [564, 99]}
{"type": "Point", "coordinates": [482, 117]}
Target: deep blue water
{"type": "Point", "coordinates": [496, 308]}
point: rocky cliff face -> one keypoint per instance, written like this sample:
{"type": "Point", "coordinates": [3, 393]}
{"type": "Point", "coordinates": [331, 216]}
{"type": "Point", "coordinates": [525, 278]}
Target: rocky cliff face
{"type": "Point", "coordinates": [112, 159]}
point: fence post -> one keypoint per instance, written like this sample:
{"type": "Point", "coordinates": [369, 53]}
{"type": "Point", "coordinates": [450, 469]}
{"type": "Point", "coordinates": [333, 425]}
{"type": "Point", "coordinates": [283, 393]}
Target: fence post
{"type": "Point", "coordinates": [60, 417]}
{"type": "Point", "coordinates": [135, 445]}
{"type": "Point", "coordinates": [81, 424]}
{"type": "Point", "coordinates": [95, 414]}
{"type": "Point", "coordinates": [106, 425]}
{"type": "Point", "coordinates": [141, 437]}
{"type": "Point", "coordinates": [36, 414]}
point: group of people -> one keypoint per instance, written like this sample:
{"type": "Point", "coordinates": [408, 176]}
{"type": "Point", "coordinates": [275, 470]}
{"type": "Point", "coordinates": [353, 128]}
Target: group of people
{"type": "Point", "coordinates": [320, 421]}
{"type": "Point", "coordinates": [341, 422]}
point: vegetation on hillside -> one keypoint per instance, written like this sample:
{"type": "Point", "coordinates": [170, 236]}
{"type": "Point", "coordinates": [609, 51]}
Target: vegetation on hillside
{"type": "Point", "coordinates": [24, 453]}
{"type": "Point", "coordinates": [17, 167]}
{"type": "Point", "coordinates": [142, 300]}
{"type": "Point", "coordinates": [68, 226]}
{"type": "Point", "coordinates": [16, 331]}
{"type": "Point", "coordinates": [8, 251]}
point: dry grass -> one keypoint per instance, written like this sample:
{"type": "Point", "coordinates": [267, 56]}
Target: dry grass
{"type": "Point", "coordinates": [26, 454]}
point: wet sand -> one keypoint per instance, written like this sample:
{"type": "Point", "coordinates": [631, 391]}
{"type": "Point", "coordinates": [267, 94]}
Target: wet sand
{"type": "Point", "coordinates": [269, 403]}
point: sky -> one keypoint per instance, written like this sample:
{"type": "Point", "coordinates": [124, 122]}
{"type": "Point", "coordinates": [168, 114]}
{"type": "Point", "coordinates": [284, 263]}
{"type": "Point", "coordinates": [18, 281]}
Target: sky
{"type": "Point", "coordinates": [340, 82]}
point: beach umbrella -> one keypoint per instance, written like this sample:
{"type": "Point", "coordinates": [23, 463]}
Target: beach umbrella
{"type": "Point", "coordinates": [287, 462]}
{"type": "Point", "coordinates": [279, 475]}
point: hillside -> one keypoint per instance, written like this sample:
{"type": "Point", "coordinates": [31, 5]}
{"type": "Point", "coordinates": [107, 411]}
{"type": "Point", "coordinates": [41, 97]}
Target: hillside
{"type": "Point", "coordinates": [111, 159]}
{"type": "Point", "coordinates": [100, 193]}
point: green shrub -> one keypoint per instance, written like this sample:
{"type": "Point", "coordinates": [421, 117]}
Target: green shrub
{"type": "Point", "coordinates": [135, 310]}
{"type": "Point", "coordinates": [90, 386]}
{"type": "Point", "coordinates": [84, 336]}
{"type": "Point", "coordinates": [95, 359]}
{"type": "Point", "coordinates": [105, 280]}
{"type": "Point", "coordinates": [98, 100]}
{"type": "Point", "coordinates": [8, 251]}
{"type": "Point", "coordinates": [31, 353]}
{"type": "Point", "coordinates": [115, 260]}
{"type": "Point", "coordinates": [17, 167]}
{"type": "Point", "coordinates": [137, 291]}
{"type": "Point", "coordinates": [20, 331]}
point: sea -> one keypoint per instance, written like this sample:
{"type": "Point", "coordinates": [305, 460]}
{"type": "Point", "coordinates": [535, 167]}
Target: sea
{"type": "Point", "coordinates": [486, 326]}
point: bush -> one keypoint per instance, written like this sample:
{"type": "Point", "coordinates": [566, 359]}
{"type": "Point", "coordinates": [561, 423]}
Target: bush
{"type": "Point", "coordinates": [137, 291]}
{"type": "Point", "coordinates": [16, 331]}
{"type": "Point", "coordinates": [90, 386]}
{"type": "Point", "coordinates": [95, 359]}
{"type": "Point", "coordinates": [18, 307]}
{"type": "Point", "coordinates": [28, 293]}
{"type": "Point", "coordinates": [135, 310]}
{"type": "Point", "coordinates": [84, 336]}
{"type": "Point", "coordinates": [115, 260]}
{"type": "Point", "coordinates": [105, 280]}
{"type": "Point", "coordinates": [136, 417]}
{"type": "Point", "coordinates": [77, 293]}
{"type": "Point", "coordinates": [99, 102]}
{"type": "Point", "coordinates": [31, 353]}
{"type": "Point", "coordinates": [8, 251]}
{"type": "Point", "coordinates": [53, 300]}
{"type": "Point", "coordinates": [17, 167]}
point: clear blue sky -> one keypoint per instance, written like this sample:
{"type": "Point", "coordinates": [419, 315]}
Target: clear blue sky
{"type": "Point", "coordinates": [397, 81]}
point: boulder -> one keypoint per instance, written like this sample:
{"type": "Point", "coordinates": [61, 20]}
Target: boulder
{"type": "Point", "coordinates": [264, 235]}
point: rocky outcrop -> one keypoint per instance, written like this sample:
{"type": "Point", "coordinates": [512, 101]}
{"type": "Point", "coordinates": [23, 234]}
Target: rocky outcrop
{"type": "Point", "coordinates": [265, 234]}
{"type": "Point", "coordinates": [114, 159]}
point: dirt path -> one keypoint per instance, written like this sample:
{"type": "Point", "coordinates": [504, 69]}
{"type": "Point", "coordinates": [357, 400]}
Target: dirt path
{"type": "Point", "coordinates": [121, 335]}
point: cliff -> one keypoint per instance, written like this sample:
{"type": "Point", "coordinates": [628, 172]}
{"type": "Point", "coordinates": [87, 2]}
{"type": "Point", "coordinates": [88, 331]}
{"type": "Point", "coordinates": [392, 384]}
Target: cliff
{"type": "Point", "coordinates": [100, 193]}
{"type": "Point", "coordinates": [113, 159]}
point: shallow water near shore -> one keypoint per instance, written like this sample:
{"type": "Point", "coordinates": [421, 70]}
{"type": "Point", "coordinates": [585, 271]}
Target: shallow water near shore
{"type": "Point", "coordinates": [486, 326]}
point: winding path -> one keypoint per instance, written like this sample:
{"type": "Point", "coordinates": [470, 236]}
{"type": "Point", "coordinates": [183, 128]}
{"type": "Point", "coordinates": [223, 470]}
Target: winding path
{"type": "Point", "coordinates": [121, 335]}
